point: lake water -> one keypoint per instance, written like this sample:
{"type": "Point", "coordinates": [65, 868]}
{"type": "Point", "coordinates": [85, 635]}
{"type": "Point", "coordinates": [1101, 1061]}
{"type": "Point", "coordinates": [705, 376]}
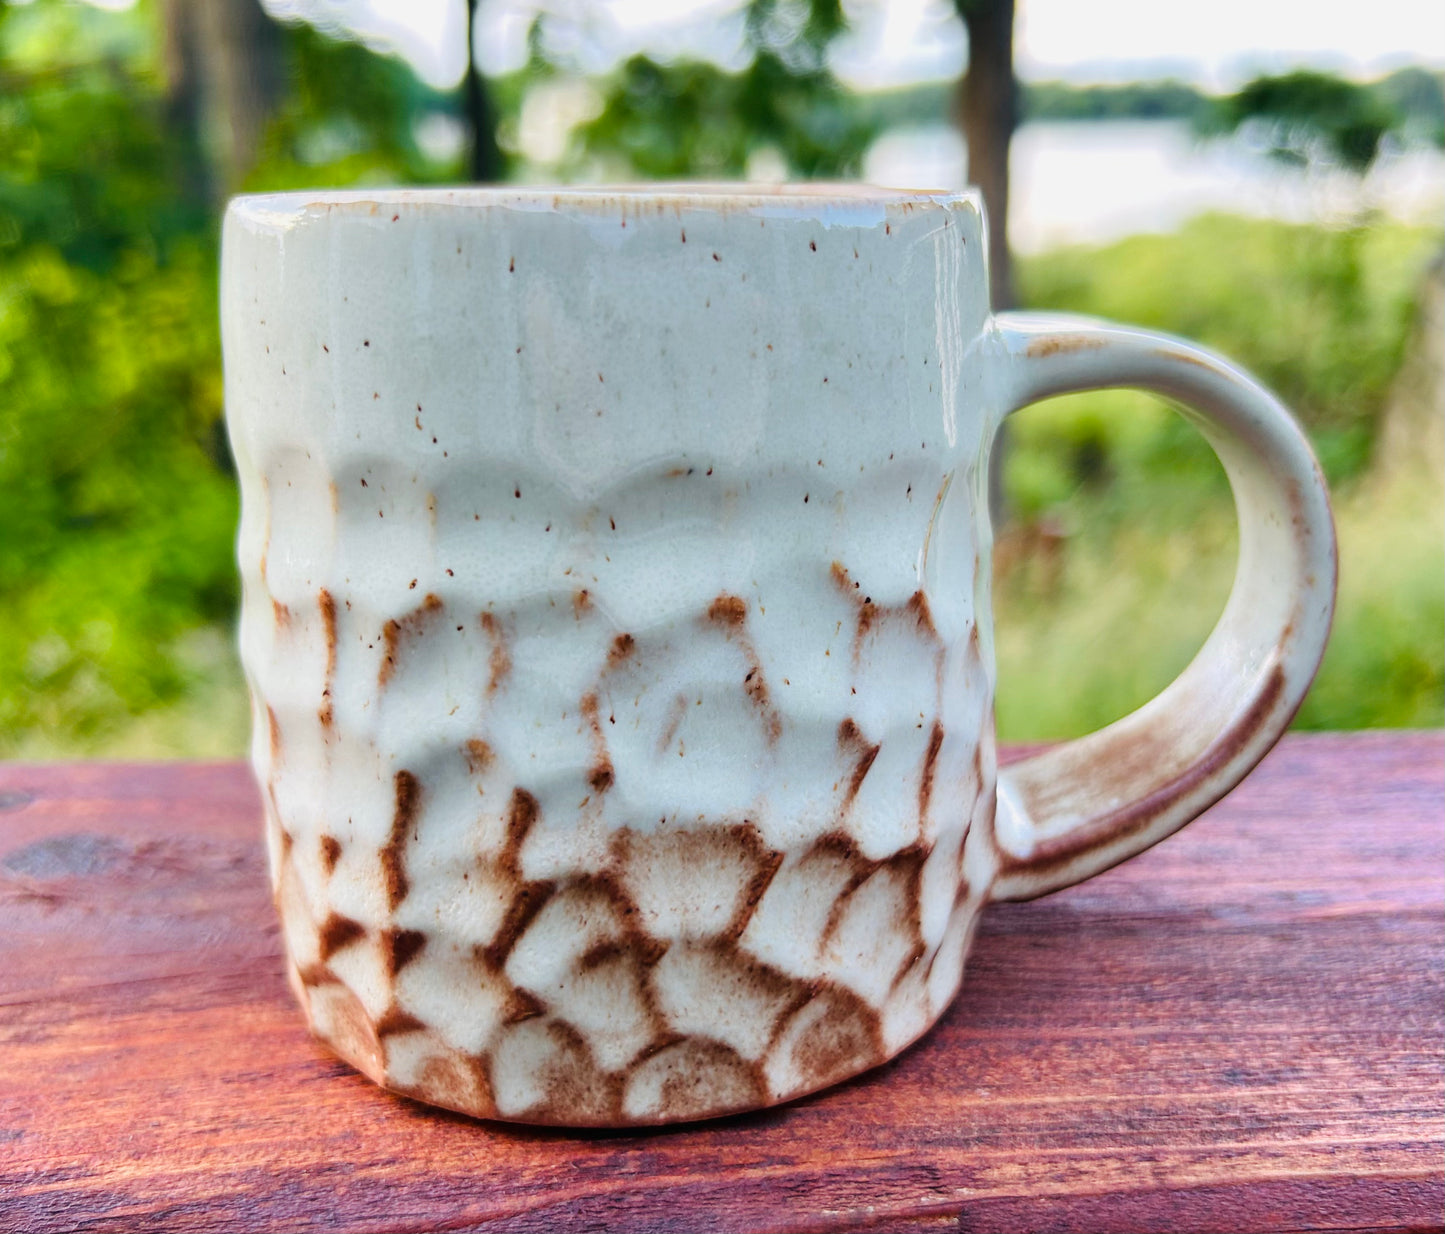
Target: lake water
{"type": "Point", "coordinates": [1094, 181]}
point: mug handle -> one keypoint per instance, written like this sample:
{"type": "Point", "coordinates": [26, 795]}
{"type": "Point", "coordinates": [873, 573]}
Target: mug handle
{"type": "Point", "coordinates": [1081, 807]}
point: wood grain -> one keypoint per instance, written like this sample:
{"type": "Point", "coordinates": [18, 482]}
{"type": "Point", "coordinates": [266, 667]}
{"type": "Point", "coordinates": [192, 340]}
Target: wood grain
{"type": "Point", "coordinates": [1240, 1030]}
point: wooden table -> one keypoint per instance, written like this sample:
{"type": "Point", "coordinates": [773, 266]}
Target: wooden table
{"type": "Point", "coordinates": [1240, 1030]}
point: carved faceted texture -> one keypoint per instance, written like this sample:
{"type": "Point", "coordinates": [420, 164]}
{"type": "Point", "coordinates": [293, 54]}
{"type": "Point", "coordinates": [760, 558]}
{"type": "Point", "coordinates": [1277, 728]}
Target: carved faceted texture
{"type": "Point", "coordinates": [622, 687]}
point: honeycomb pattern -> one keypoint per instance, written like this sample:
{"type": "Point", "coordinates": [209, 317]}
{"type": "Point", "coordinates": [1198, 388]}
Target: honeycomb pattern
{"type": "Point", "coordinates": [539, 948]}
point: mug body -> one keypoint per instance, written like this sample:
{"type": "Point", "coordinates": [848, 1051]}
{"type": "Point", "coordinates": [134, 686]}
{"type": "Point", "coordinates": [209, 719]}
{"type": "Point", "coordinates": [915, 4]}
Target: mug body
{"type": "Point", "coordinates": [616, 619]}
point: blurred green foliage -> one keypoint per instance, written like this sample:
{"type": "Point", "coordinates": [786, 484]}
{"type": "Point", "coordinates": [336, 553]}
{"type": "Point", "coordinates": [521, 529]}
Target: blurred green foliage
{"type": "Point", "coordinates": [351, 116]}
{"type": "Point", "coordinates": [1319, 314]}
{"type": "Point", "coordinates": [1307, 116]}
{"type": "Point", "coordinates": [117, 502]}
{"type": "Point", "coordinates": [1121, 549]}
{"type": "Point", "coordinates": [117, 499]}
{"type": "Point", "coordinates": [694, 119]}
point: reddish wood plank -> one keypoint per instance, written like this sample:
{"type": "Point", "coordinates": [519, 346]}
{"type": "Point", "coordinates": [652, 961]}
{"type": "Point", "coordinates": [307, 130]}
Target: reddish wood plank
{"type": "Point", "coordinates": [1241, 1029]}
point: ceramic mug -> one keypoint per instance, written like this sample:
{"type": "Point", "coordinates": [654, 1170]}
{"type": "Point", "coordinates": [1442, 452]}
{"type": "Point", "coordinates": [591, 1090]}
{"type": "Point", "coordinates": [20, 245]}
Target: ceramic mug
{"type": "Point", "coordinates": [616, 618]}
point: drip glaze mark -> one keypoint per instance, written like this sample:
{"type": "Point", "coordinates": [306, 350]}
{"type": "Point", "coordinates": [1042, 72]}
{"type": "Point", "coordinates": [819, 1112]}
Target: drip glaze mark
{"type": "Point", "coordinates": [512, 266]}
{"type": "Point", "coordinates": [393, 630]}
{"type": "Point", "coordinates": [850, 739]}
{"type": "Point", "coordinates": [403, 820]}
{"type": "Point", "coordinates": [728, 610]}
{"type": "Point", "coordinates": [525, 905]}
{"type": "Point", "coordinates": [478, 755]}
{"type": "Point", "coordinates": [399, 948]}
{"type": "Point", "coordinates": [674, 720]}
{"type": "Point", "coordinates": [337, 932]}
{"type": "Point", "coordinates": [522, 1005]}
{"type": "Point", "coordinates": [813, 244]}
{"type": "Point", "coordinates": [500, 662]}
{"type": "Point", "coordinates": [1062, 344]}
{"type": "Point", "coordinates": [330, 853]}
{"type": "Point", "coordinates": [925, 780]}
{"type": "Point", "coordinates": [521, 816]}
{"type": "Point", "coordinates": [600, 776]}
{"type": "Point", "coordinates": [622, 647]}
{"type": "Point", "coordinates": [731, 613]}
{"type": "Point", "coordinates": [394, 1021]}
{"type": "Point", "coordinates": [314, 975]}
{"type": "Point", "coordinates": [923, 615]}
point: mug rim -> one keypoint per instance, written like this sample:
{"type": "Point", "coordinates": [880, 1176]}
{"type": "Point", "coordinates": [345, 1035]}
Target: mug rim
{"type": "Point", "coordinates": [716, 197]}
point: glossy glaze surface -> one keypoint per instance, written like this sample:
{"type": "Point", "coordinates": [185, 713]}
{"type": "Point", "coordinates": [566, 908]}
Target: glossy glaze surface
{"type": "Point", "coordinates": [618, 633]}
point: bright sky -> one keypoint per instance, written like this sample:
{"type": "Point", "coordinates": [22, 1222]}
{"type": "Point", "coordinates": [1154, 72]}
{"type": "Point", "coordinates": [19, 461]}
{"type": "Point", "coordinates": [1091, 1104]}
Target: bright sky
{"type": "Point", "coordinates": [892, 42]}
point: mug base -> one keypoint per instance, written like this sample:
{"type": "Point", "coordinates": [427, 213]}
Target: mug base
{"type": "Point", "coordinates": [542, 1073]}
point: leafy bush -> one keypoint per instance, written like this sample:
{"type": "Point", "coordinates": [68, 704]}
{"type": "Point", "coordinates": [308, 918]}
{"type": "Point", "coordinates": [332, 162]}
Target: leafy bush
{"type": "Point", "coordinates": [1318, 314]}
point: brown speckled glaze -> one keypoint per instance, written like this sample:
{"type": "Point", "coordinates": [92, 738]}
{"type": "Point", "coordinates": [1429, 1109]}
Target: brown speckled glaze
{"type": "Point", "coordinates": [616, 617]}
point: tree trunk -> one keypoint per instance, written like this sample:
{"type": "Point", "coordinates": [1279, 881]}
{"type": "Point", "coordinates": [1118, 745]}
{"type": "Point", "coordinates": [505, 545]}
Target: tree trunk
{"type": "Point", "coordinates": [185, 98]}
{"type": "Point", "coordinates": [242, 51]}
{"type": "Point", "coordinates": [486, 160]}
{"type": "Point", "coordinates": [987, 107]}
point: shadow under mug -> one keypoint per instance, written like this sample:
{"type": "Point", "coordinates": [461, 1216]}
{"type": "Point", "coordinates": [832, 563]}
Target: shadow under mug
{"type": "Point", "coordinates": [616, 618]}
